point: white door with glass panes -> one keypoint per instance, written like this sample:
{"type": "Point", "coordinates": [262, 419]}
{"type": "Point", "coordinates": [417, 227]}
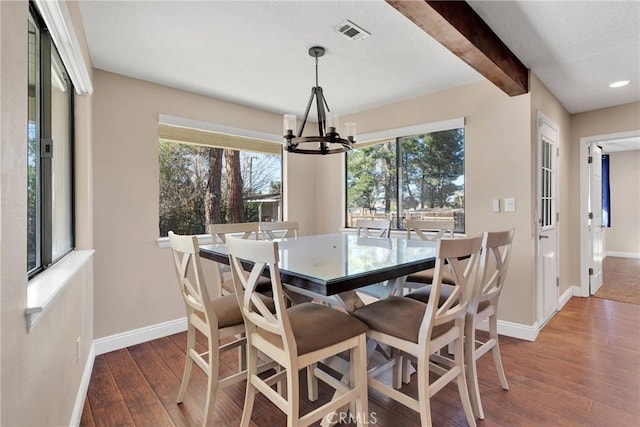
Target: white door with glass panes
{"type": "Point", "coordinates": [547, 209]}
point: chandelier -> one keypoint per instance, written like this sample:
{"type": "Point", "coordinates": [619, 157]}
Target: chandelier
{"type": "Point", "coordinates": [328, 140]}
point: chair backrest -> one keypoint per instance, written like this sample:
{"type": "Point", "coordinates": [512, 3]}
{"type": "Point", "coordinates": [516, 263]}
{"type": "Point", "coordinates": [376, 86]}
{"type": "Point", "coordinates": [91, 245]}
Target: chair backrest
{"type": "Point", "coordinates": [186, 258]}
{"type": "Point", "coordinates": [279, 230]}
{"type": "Point", "coordinates": [258, 318]}
{"type": "Point", "coordinates": [373, 227]}
{"type": "Point", "coordinates": [436, 228]}
{"type": "Point", "coordinates": [244, 229]}
{"type": "Point", "coordinates": [496, 253]}
{"type": "Point", "coordinates": [450, 254]}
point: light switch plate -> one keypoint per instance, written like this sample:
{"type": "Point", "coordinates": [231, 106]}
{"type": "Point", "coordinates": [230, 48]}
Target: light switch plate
{"type": "Point", "coordinates": [510, 204]}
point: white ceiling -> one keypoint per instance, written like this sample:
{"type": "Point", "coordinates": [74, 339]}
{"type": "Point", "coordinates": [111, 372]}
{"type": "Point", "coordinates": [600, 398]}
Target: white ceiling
{"type": "Point", "coordinates": [255, 52]}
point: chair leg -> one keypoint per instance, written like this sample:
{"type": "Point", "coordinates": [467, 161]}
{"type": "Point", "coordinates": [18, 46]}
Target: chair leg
{"type": "Point", "coordinates": [397, 374]}
{"type": "Point", "coordinates": [359, 381]}
{"type": "Point", "coordinates": [493, 332]}
{"type": "Point", "coordinates": [312, 383]}
{"type": "Point", "coordinates": [212, 381]}
{"type": "Point", "coordinates": [250, 394]}
{"type": "Point", "coordinates": [293, 396]}
{"type": "Point", "coordinates": [242, 356]}
{"type": "Point", "coordinates": [423, 392]}
{"type": "Point", "coordinates": [188, 363]}
{"type": "Point", "coordinates": [462, 381]}
{"type": "Point", "coordinates": [472, 370]}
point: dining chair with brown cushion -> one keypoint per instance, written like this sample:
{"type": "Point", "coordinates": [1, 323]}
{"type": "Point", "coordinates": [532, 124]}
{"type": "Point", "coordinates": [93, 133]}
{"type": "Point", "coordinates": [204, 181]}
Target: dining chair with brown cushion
{"type": "Point", "coordinates": [244, 230]}
{"type": "Point", "coordinates": [216, 318]}
{"type": "Point", "coordinates": [483, 305]}
{"type": "Point", "coordinates": [373, 227]}
{"type": "Point", "coordinates": [279, 229]}
{"type": "Point", "coordinates": [295, 338]}
{"type": "Point", "coordinates": [416, 330]}
{"type": "Point", "coordinates": [432, 231]}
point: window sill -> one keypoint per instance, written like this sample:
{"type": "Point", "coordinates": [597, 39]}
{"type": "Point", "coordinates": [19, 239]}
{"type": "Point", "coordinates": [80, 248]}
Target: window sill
{"type": "Point", "coordinates": [44, 289]}
{"type": "Point", "coordinates": [203, 239]}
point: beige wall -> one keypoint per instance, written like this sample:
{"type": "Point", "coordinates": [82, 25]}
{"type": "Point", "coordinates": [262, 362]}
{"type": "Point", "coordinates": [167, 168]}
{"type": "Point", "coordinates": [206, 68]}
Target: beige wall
{"type": "Point", "coordinates": [135, 282]}
{"type": "Point", "coordinates": [624, 234]}
{"type": "Point", "coordinates": [40, 371]}
{"type": "Point", "coordinates": [497, 165]}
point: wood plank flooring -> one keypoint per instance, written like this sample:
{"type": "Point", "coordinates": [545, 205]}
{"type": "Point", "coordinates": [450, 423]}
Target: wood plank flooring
{"type": "Point", "coordinates": [583, 370]}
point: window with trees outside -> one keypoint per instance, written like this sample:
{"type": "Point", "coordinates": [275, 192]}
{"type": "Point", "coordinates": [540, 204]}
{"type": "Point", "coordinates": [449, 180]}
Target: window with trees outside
{"type": "Point", "coordinates": [49, 139]}
{"type": "Point", "coordinates": [418, 177]}
{"type": "Point", "coordinates": [208, 178]}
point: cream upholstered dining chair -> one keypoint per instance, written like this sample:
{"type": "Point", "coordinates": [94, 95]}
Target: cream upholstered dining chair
{"type": "Point", "coordinates": [429, 230]}
{"type": "Point", "coordinates": [279, 229]}
{"type": "Point", "coordinates": [373, 227]}
{"type": "Point", "coordinates": [295, 338]}
{"type": "Point", "coordinates": [216, 318]}
{"type": "Point", "coordinates": [245, 230]}
{"type": "Point", "coordinates": [483, 305]}
{"type": "Point", "coordinates": [416, 330]}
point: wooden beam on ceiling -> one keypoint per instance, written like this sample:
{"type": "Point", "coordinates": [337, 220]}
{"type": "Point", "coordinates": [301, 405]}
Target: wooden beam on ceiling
{"type": "Point", "coordinates": [456, 26]}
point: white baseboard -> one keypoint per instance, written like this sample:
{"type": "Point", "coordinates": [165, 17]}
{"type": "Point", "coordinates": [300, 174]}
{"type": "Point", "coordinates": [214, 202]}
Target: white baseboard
{"type": "Point", "coordinates": [564, 298]}
{"type": "Point", "coordinates": [514, 330]}
{"type": "Point", "coordinates": [76, 415]}
{"type": "Point", "coordinates": [634, 255]}
{"type": "Point", "coordinates": [138, 336]}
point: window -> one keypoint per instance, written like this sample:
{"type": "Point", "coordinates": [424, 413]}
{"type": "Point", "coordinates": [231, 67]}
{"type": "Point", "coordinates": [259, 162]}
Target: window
{"type": "Point", "coordinates": [207, 178]}
{"type": "Point", "coordinates": [50, 221]}
{"type": "Point", "coordinates": [420, 176]}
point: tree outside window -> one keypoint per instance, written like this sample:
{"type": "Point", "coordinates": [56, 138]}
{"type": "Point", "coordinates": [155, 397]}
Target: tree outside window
{"type": "Point", "coordinates": [429, 186]}
{"type": "Point", "coordinates": [201, 185]}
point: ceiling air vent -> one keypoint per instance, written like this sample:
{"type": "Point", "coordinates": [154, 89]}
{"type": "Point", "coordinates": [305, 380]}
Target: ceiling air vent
{"type": "Point", "coordinates": [352, 31]}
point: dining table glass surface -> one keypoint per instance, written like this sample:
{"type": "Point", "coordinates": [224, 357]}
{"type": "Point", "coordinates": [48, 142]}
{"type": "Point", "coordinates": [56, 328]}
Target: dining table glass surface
{"type": "Point", "coordinates": [344, 259]}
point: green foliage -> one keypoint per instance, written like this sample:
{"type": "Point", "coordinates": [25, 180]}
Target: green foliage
{"type": "Point", "coordinates": [185, 187]}
{"type": "Point", "coordinates": [432, 173]}
{"type": "Point", "coordinates": [431, 163]}
{"type": "Point", "coordinates": [371, 177]}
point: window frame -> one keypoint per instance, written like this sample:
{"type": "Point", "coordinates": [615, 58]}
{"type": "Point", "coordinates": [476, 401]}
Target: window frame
{"type": "Point", "coordinates": [194, 133]}
{"type": "Point", "coordinates": [44, 150]}
{"type": "Point", "coordinates": [380, 137]}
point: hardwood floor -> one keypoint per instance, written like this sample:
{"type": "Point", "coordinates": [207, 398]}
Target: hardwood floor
{"type": "Point", "coordinates": [583, 370]}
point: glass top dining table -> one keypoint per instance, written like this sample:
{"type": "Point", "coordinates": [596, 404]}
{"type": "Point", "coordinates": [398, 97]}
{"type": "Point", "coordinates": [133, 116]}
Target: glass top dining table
{"type": "Point", "coordinates": [332, 264]}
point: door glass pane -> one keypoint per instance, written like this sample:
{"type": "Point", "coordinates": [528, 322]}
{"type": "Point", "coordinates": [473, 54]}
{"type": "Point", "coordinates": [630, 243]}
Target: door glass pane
{"type": "Point", "coordinates": [62, 216]}
{"type": "Point", "coordinates": [33, 167]}
{"type": "Point", "coordinates": [546, 185]}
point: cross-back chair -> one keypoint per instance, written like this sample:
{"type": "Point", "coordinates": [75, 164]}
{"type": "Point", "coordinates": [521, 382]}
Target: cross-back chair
{"type": "Point", "coordinates": [483, 305]}
{"type": "Point", "coordinates": [429, 230]}
{"type": "Point", "coordinates": [416, 330]}
{"type": "Point", "coordinates": [373, 227]}
{"type": "Point", "coordinates": [295, 338]}
{"type": "Point", "coordinates": [279, 230]}
{"type": "Point", "coordinates": [244, 230]}
{"type": "Point", "coordinates": [215, 318]}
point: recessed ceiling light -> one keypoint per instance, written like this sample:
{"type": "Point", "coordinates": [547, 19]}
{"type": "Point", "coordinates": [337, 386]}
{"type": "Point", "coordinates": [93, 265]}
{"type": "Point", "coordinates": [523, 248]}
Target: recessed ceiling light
{"type": "Point", "coordinates": [620, 83]}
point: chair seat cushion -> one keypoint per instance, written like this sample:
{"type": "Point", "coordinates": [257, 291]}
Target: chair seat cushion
{"type": "Point", "coordinates": [228, 311]}
{"type": "Point", "coordinates": [423, 293]}
{"type": "Point", "coordinates": [317, 326]}
{"type": "Point", "coordinates": [399, 317]}
{"type": "Point", "coordinates": [264, 285]}
{"type": "Point", "coordinates": [426, 276]}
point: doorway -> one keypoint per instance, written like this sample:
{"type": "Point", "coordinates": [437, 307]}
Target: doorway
{"type": "Point", "coordinates": [592, 249]}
